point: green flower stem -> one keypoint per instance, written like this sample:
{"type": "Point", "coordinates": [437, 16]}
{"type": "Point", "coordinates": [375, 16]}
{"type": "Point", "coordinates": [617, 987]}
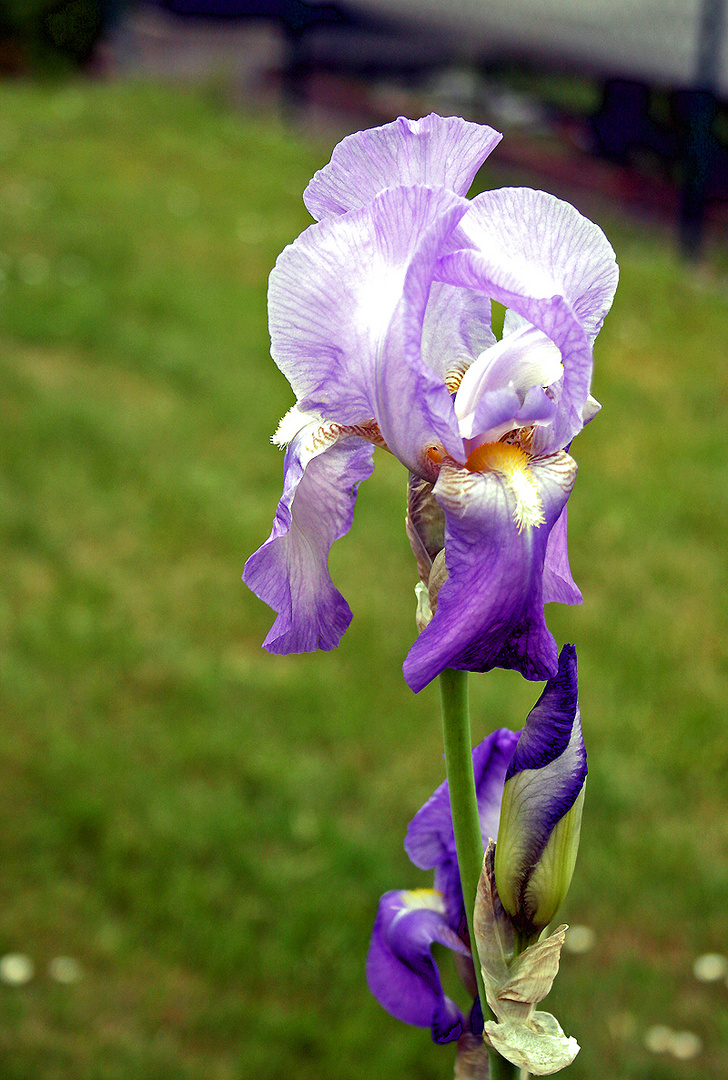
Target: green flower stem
{"type": "Point", "coordinates": [522, 941]}
{"type": "Point", "coordinates": [466, 823]}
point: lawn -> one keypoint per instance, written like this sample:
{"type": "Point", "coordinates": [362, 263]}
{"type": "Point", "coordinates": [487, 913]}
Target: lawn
{"type": "Point", "coordinates": [207, 829]}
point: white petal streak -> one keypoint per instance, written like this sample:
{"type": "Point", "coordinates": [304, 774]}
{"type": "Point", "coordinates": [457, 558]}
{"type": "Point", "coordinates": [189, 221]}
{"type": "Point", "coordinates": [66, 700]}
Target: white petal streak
{"type": "Point", "coordinates": [377, 299]}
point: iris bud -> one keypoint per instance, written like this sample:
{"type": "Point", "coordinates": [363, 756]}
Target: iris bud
{"type": "Point", "coordinates": [540, 823]}
{"type": "Point", "coordinates": [533, 900]}
{"type": "Point", "coordinates": [425, 524]}
{"type": "Point", "coordinates": [516, 984]}
{"type": "Point", "coordinates": [423, 615]}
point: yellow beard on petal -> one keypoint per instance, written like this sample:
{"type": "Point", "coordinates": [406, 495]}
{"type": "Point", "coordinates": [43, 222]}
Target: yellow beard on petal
{"type": "Point", "coordinates": [511, 462]}
{"type": "Point", "coordinates": [423, 898]}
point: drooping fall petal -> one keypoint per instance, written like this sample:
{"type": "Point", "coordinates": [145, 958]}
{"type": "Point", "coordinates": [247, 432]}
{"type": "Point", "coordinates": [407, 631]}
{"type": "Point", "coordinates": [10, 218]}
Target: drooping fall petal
{"type": "Point", "coordinates": [290, 570]}
{"type": "Point", "coordinates": [490, 609]}
{"type": "Point", "coordinates": [401, 973]}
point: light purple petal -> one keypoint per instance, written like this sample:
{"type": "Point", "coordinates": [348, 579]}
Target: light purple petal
{"type": "Point", "coordinates": [437, 151]}
{"type": "Point", "coordinates": [430, 840]}
{"type": "Point", "coordinates": [290, 571]}
{"type": "Point", "coordinates": [500, 411]}
{"type": "Point", "coordinates": [346, 305]}
{"type": "Point", "coordinates": [558, 584]}
{"type": "Point", "coordinates": [537, 407]}
{"type": "Point", "coordinates": [524, 361]}
{"type": "Point", "coordinates": [542, 239]}
{"type": "Point", "coordinates": [495, 412]}
{"type": "Point", "coordinates": [456, 328]}
{"type": "Point", "coordinates": [555, 269]}
{"type": "Point", "coordinates": [401, 973]}
{"type": "Point", "coordinates": [490, 610]}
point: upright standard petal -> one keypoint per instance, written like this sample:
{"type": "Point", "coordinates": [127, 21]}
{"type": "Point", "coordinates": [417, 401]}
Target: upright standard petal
{"type": "Point", "coordinates": [456, 329]}
{"type": "Point", "coordinates": [346, 307]}
{"type": "Point", "coordinates": [541, 809]}
{"type": "Point", "coordinates": [541, 242]}
{"type": "Point", "coordinates": [555, 269]}
{"type": "Point", "coordinates": [401, 973]}
{"type": "Point", "coordinates": [490, 610]}
{"type": "Point", "coordinates": [437, 151]}
{"type": "Point", "coordinates": [506, 386]}
{"type": "Point", "coordinates": [290, 571]}
{"type": "Point", "coordinates": [430, 840]}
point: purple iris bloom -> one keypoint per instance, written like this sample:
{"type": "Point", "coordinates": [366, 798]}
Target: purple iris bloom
{"type": "Point", "coordinates": [546, 763]}
{"type": "Point", "coordinates": [380, 319]}
{"type": "Point", "coordinates": [401, 973]}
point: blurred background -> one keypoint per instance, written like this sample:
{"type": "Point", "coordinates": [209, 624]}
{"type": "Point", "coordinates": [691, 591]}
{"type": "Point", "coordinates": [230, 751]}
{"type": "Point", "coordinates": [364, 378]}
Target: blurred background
{"type": "Point", "coordinates": [193, 834]}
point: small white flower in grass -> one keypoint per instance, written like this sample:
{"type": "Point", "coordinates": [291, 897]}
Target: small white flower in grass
{"type": "Point", "coordinates": [64, 969]}
{"type": "Point", "coordinates": [710, 967]}
{"type": "Point", "coordinates": [16, 969]}
{"type": "Point", "coordinates": [685, 1045]}
{"type": "Point", "coordinates": [658, 1039]}
{"type": "Point", "coordinates": [579, 939]}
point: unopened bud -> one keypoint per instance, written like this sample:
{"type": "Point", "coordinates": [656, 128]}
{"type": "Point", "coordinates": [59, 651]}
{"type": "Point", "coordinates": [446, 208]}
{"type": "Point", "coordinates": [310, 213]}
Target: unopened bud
{"type": "Point", "coordinates": [438, 577]}
{"type": "Point", "coordinates": [543, 796]}
{"type": "Point", "coordinates": [425, 524]}
{"type": "Point", "coordinates": [427, 594]}
{"type": "Point", "coordinates": [516, 984]}
{"type": "Point", "coordinates": [423, 615]}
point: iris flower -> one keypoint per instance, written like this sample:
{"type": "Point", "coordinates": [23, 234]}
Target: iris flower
{"type": "Point", "coordinates": [545, 766]}
{"type": "Point", "coordinates": [401, 973]}
{"type": "Point", "coordinates": [380, 319]}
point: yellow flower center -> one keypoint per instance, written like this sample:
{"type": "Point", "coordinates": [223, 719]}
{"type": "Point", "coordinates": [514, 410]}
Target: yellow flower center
{"type": "Point", "coordinates": [511, 462]}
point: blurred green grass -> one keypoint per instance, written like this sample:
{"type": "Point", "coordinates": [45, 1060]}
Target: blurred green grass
{"type": "Point", "coordinates": [208, 828]}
